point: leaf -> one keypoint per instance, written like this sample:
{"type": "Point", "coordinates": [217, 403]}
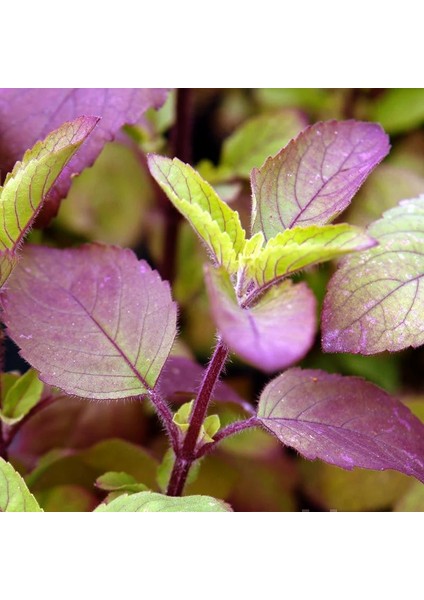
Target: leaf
{"type": "Point", "coordinates": [273, 334]}
{"type": "Point", "coordinates": [153, 502]}
{"type": "Point", "coordinates": [399, 110]}
{"type": "Point", "coordinates": [92, 209]}
{"type": "Point", "coordinates": [181, 377]}
{"type": "Point", "coordinates": [295, 249]}
{"type": "Point", "coordinates": [26, 187]}
{"type": "Point", "coordinates": [63, 467]}
{"type": "Point", "coordinates": [375, 301]}
{"type": "Point", "coordinates": [307, 98]}
{"type": "Point", "coordinates": [258, 138]}
{"type": "Point", "coordinates": [357, 490]}
{"type": "Point", "coordinates": [115, 481]}
{"type": "Point", "coordinates": [27, 115]}
{"type": "Point", "coordinates": [67, 498]}
{"type": "Point", "coordinates": [315, 176]}
{"type": "Point", "coordinates": [214, 221]}
{"type": "Point", "coordinates": [54, 426]}
{"type": "Point", "coordinates": [384, 188]}
{"type": "Point", "coordinates": [94, 321]}
{"type": "Point", "coordinates": [21, 397]}
{"type": "Point", "coordinates": [413, 500]}
{"type": "Point", "coordinates": [14, 494]}
{"type": "Point", "coordinates": [344, 421]}
{"type": "Point", "coordinates": [209, 428]}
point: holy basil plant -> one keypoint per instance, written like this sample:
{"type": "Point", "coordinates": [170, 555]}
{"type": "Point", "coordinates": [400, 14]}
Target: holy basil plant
{"type": "Point", "coordinates": [98, 323]}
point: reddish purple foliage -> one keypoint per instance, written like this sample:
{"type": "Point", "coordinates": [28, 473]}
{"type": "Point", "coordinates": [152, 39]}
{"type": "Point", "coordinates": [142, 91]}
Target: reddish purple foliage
{"type": "Point", "coordinates": [316, 175]}
{"type": "Point", "coordinates": [345, 421]}
{"type": "Point", "coordinates": [28, 115]}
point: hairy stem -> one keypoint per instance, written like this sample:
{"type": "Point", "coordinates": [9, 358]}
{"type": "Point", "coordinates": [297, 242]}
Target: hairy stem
{"type": "Point", "coordinates": [187, 453]}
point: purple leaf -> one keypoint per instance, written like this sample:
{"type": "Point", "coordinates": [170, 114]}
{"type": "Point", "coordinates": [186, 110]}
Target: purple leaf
{"type": "Point", "coordinates": [316, 175]}
{"type": "Point", "coordinates": [181, 377]}
{"type": "Point", "coordinates": [94, 321]}
{"type": "Point", "coordinates": [375, 301]}
{"type": "Point", "coordinates": [345, 421]}
{"type": "Point", "coordinates": [28, 115]}
{"type": "Point", "coordinates": [274, 333]}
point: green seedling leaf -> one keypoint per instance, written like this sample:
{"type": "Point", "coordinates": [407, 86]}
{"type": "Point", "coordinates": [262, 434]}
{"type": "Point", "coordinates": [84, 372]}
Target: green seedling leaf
{"type": "Point", "coordinates": [375, 301]}
{"type": "Point", "coordinates": [209, 428]}
{"type": "Point", "coordinates": [214, 221]}
{"type": "Point", "coordinates": [26, 187]}
{"type": "Point", "coordinates": [14, 494]}
{"type": "Point", "coordinates": [21, 397]}
{"type": "Point", "coordinates": [153, 502]}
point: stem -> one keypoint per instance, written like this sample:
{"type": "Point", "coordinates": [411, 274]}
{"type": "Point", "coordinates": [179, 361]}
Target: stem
{"type": "Point", "coordinates": [231, 429]}
{"type": "Point", "coordinates": [187, 454]}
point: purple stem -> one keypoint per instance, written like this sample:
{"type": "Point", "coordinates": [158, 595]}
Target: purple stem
{"type": "Point", "coordinates": [187, 454]}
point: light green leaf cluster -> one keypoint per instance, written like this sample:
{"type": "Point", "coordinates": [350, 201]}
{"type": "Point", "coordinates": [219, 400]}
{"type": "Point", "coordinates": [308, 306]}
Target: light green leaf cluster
{"type": "Point", "coordinates": [154, 502]}
{"type": "Point", "coordinates": [14, 494]}
{"type": "Point", "coordinates": [210, 427]}
{"type": "Point", "coordinates": [294, 249]}
{"type": "Point", "coordinates": [214, 221]}
{"type": "Point", "coordinates": [220, 229]}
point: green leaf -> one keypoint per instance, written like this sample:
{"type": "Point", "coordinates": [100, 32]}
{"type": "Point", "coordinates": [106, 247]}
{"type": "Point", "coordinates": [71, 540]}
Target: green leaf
{"type": "Point", "coordinates": [14, 494]}
{"type": "Point", "coordinates": [307, 98]}
{"type": "Point", "coordinates": [295, 249]}
{"type": "Point", "coordinates": [209, 428]}
{"type": "Point", "coordinates": [152, 502]}
{"type": "Point", "coordinates": [119, 481]}
{"type": "Point", "coordinates": [357, 490]}
{"type": "Point", "coordinates": [399, 110]}
{"type": "Point", "coordinates": [214, 221]}
{"type": "Point", "coordinates": [92, 209]}
{"type": "Point", "coordinates": [257, 139]}
{"type": "Point", "coordinates": [26, 187]}
{"type": "Point", "coordinates": [384, 188]}
{"type": "Point", "coordinates": [21, 397]}
{"type": "Point", "coordinates": [67, 498]}
{"type": "Point", "coordinates": [375, 301]}
{"type": "Point", "coordinates": [413, 500]}
{"type": "Point", "coordinates": [85, 466]}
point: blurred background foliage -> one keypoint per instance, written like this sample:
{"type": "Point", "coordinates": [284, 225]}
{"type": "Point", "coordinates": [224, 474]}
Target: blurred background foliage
{"type": "Point", "coordinates": [66, 447]}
